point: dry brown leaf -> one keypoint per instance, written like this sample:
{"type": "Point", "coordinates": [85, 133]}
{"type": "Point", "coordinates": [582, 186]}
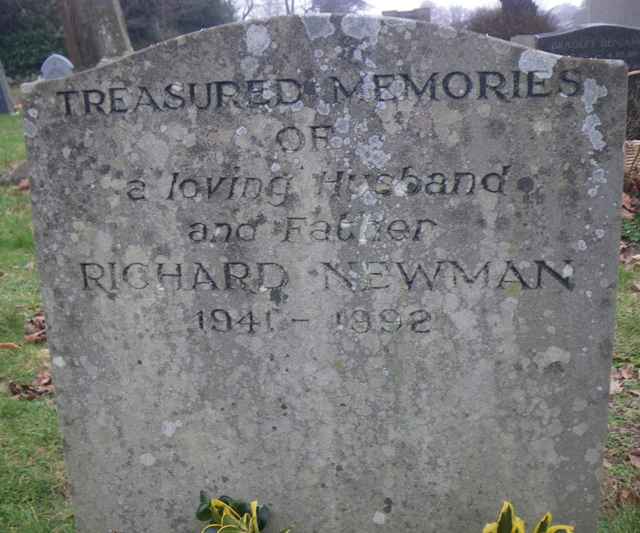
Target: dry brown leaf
{"type": "Point", "coordinates": [634, 457]}
{"type": "Point", "coordinates": [38, 336]}
{"type": "Point", "coordinates": [42, 385]}
{"type": "Point", "coordinates": [628, 497]}
{"type": "Point", "coordinates": [8, 346]}
{"type": "Point", "coordinates": [629, 253]}
{"type": "Point", "coordinates": [636, 286]}
{"type": "Point", "coordinates": [24, 184]}
{"type": "Point", "coordinates": [615, 386]}
{"type": "Point", "coordinates": [627, 372]}
{"type": "Point", "coordinates": [35, 329]}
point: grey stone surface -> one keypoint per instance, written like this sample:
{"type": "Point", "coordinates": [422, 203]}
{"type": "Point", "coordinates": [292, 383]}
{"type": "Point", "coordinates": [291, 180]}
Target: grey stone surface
{"type": "Point", "coordinates": [6, 102]}
{"type": "Point", "coordinates": [55, 67]}
{"type": "Point", "coordinates": [369, 311]}
{"type": "Point", "coordinates": [525, 40]}
{"type": "Point", "coordinates": [626, 12]}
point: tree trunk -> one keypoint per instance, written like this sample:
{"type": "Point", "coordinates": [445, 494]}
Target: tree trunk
{"type": "Point", "coordinates": [94, 30]}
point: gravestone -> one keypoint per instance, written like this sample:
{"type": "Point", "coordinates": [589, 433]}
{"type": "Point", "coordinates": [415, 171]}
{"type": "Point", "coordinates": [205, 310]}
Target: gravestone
{"type": "Point", "coordinates": [362, 269]}
{"type": "Point", "coordinates": [423, 13]}
{"type": "Point", "coordinates": [55, 67]}
{"type": "Point", "coordinates": [6, 103]}
{"type": "Point", "coordinates": [603, 41]}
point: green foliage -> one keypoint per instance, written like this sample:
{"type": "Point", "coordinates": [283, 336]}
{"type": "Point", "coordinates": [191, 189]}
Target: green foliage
{"type": "Point", "coordinates": [509, 522]}
{"type": "Point", "coordinates": [30, 31]}
{"type": "Point", "coordinates": [631, 229]}
{"type": "Point", "coordinates": [232, 516]}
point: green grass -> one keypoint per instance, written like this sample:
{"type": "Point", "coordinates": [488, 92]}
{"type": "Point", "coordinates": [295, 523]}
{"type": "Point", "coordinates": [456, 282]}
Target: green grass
{"type": "Point", "coordinates": [626, 520]}
{"type": "Point", "coordinates": [12, 148]}
{"type": "Point", "coordinates": [32, 485]}
{"type": "Point", "coordinates": [631, 229]}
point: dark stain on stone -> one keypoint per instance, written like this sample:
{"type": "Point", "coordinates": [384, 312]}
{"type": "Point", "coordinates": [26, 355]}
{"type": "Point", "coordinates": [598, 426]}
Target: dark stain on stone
{"type": "Point", "coordinates": [606, 349]}
{"type": "Point", "coordinates": [502, 223]}
{"type": "Point", "coordinates": [224, 479]}
{"type": "Point", "coordinates": [339, 468]}
{"type": "Point", "coordinates": [554, 369]}
{"type": "Point", "coordinates": [388, 505]}
{"type": "Point", "coordinates": [278, 296]}
{"type": "Point", "coordinates": [496, 128]}
{"type": "Point", "coordinates": [525, 184]}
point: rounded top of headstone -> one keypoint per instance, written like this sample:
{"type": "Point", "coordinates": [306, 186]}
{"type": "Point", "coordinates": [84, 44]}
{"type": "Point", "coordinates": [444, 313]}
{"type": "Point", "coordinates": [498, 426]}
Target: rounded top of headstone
{"type": "Point", "coordinates": [589, 26]}
{"type": "Point", "coordinates": [56, 67]}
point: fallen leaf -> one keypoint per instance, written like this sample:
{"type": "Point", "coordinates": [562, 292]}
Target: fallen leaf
{"type": "Point", "coordinates": [636, 286]}
{"type": "Point", "coordinates": [634, 457]}
{"type": "Point", "coordinates": [627, 201]}
{"type": "Point", "coordinates": [24, 184]}
{"type": "Point", "coordinates": [43, 379]}
{"type": "Point", "coordinates": [42, 385]}
{"type": "Point", "coordinates": [627, 372]}
{"type": "Point", "coordinates": [35, 329]}
{"type": "Point", "coordinates": [615, 386]}
{"type": "Point", "coordinates": [626, 497]}
{"type": "Point", "coordinates": [629, 253]}
{"type": "Point", "coordinates": [39, 336]}
{"type": "Point", "coordinates": [8, 346]}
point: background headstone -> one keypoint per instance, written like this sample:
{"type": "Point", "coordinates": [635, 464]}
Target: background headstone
{"type": "Point", "coordinates": [6, 102]}
{"type": "Point", "coordinates": [600, 41]}
{"type": "Point", "coordinates": [94, 30]}
{"type": "Point", "coordinates": [56, 67]}
{"type": "Point", "coordinates": [361, 269]}
{"type": "Point", "coordinates": [423, 13]}
{"type": "Point", "coordinates": [625, 12]}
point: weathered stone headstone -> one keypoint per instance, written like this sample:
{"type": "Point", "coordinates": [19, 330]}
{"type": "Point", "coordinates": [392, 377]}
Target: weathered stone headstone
{"type": "Point", "coordinates": [56, 67]}
{"type": "Point", "coordinates": [601, 41]}
{"type": "Point", "coordinates": [362, 269]}
{"type": "Point", "coordinates": [6, 103]}
{"type": "Point", "coordinates": [626, 12]}
{"type": "Point", "coordinates": [423, 13]}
